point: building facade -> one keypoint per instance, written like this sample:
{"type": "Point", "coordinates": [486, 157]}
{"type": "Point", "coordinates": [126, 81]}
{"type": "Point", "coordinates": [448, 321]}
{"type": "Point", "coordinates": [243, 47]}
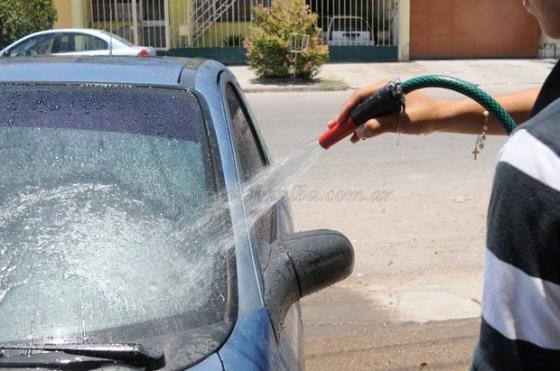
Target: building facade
{"type": "Point", "coordinates": [472, 29]}
{"type": "Point", "coordinates": [355, 30]}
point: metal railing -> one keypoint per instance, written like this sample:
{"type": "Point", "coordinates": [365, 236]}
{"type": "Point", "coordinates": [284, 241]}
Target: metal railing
{"type": "Point", "coordinates": [142, 22]}
{"type": "Point", "coordinates": [357, 23]}
{"type": "Point", "coordinates": [208, 12]}
{"type": "Point", "coordinates": [215, 23]}
{"type": "Point", "coordinates": [170, 24]}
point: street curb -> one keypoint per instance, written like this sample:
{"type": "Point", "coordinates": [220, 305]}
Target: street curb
{"type": "Point", "coordinates": [292, 89]}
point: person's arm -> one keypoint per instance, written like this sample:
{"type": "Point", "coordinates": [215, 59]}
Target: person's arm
{"type": "Point", "coordinates": [466, 116]}
{"type": "Point", "coordinates": [425, 114]}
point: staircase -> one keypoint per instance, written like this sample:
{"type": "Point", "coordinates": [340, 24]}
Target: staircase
{"type": "Point", "coordinates": [207, 13]}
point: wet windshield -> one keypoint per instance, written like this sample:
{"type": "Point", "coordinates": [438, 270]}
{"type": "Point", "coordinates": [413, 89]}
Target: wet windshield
{"type": "Point", "coordinates": [95, 182]}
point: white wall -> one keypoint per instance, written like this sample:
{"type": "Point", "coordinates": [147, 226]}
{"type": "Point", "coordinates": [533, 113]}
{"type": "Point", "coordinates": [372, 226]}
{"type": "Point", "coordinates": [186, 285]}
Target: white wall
{"type": "Point", "coordinates": [404, 30]}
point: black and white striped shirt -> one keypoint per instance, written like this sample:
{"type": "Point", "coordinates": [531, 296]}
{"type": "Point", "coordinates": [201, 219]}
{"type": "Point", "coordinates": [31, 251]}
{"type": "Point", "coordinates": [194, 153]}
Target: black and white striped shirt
{"type": "Point", "coordinates": [521, 302]}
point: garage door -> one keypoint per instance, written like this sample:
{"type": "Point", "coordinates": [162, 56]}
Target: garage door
{"type": "Point", "coordinates": [472, 28]}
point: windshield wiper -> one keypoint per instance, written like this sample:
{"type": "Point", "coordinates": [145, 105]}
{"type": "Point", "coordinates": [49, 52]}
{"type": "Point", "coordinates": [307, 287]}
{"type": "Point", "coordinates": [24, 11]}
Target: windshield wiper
{"type": "Point", "coordinates": [134, 354]}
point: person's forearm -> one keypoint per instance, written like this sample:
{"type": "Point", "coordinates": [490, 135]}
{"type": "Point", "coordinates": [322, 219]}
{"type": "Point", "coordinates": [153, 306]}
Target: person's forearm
{"type": "Point", "coordinates": [466, 116]}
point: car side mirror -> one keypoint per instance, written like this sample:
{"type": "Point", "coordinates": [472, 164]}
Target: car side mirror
{"type": "Point", "coordinates": [302, 263]}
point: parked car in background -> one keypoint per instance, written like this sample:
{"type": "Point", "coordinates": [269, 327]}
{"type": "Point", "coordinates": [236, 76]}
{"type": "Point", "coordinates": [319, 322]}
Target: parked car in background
{"type": "Point", "coordinates": [119, 250]}
{"type": "Point", "coordinates": [349, 30]}
{"type": "Point", "coordinates": [77, 41]}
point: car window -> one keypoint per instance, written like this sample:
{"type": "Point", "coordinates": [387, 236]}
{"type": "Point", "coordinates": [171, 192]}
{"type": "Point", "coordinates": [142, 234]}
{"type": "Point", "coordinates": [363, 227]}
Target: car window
{"type": "Point", "coordinates": [118, 38]}
{"type": "Point", "coordinates": [86, 43]}
{"type": "Point", "coordinates": [72, 42]}
{"type": "Point", "coordinates": [35, 46]}
{"type": "Point", "coordinates": [249, 152]}
{"type": "Point", "coordinates": [248, 149]}
{"type": "Point", "coordinates": [102, 194]}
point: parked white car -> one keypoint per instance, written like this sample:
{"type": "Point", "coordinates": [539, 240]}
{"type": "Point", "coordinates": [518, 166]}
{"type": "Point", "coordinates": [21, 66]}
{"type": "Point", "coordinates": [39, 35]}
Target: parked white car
{"type": "Point", "coordinates": [75, 41]}
{"type": "Point", "coordinates": [345, 30]}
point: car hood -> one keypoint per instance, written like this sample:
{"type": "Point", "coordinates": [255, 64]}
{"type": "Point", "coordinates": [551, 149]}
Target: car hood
{"type": "Point", "coordinates": [182, 350]}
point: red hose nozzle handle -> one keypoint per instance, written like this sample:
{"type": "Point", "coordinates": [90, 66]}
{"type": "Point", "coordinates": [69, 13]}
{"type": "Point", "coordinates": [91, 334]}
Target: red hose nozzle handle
{"type": "Point", "coordinates": [387, 100]}
{"type": "Point", "coordinates": [337, 133]}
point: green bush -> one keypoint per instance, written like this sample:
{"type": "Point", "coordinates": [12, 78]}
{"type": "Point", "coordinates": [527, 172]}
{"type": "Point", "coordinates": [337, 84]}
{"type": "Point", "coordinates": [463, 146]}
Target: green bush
{"type": "Point", "coordinates": [269, 43]}
{"type": "Point", "coordinates": [19, 18]}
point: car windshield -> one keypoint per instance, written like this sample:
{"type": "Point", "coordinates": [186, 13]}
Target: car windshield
{"type": "Point", "coordinates": [97, 184]}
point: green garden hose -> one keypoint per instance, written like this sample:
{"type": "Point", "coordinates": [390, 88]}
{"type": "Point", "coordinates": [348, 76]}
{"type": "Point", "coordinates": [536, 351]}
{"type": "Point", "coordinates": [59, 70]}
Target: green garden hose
{"type": "Point", "coordinates": [465, 88]}
{"type": "Point", "coordinates": [391, 99]}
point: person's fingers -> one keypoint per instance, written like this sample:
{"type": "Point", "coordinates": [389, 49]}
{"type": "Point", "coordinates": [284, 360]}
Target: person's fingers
{"type": "Point", "coordinates": [369, 129]}
{"type": "Point", "coordinates": [375, 127]}
{"type": "Point", "coordinates": [355, 138]}
{"type": "Point", "coordinates": [332, 123]}
{"type": "Point", "coordinates": [358, 97]}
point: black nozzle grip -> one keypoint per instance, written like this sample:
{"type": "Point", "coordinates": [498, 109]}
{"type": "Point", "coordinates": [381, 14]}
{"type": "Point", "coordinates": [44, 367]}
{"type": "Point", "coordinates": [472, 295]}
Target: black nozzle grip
{"type": "Point", "coordinates": [385, 101]}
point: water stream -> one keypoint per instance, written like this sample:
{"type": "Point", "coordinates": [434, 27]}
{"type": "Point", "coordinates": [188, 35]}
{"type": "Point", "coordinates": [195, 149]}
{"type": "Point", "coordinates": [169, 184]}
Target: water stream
{"type": "Point", "coordinates": [272, 183]}
{"type": "Point", "coordinates": [118, 256]}
{"type": "Point", "coordinates": [257, 196]}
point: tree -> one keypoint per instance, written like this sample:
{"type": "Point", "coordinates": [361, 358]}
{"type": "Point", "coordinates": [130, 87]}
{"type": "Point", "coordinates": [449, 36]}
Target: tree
{"type": "Point", "coordinates": [19, 18]}
{"type": "Point", "coordinates": [269, 44]}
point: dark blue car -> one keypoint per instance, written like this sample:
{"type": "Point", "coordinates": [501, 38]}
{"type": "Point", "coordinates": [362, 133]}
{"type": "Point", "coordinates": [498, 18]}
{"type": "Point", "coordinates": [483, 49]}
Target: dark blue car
{"type": "Point", "coordinates": [123, 245]}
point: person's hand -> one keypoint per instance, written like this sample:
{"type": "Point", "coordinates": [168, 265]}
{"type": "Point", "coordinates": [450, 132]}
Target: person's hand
{"type": "Point", "coordinates": [421, 111]}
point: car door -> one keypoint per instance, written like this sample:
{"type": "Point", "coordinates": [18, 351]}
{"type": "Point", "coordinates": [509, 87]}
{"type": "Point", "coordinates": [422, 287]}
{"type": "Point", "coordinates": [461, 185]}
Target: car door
{"type": "Point", "coordinates": [251, 158]}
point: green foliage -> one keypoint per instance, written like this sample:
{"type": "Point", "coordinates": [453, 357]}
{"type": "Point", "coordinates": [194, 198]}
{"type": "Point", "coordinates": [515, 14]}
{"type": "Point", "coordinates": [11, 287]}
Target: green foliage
{"type": "Point", "coordinates": [269, 44]}
{"type": "Point", "coordinates": [19, 18]}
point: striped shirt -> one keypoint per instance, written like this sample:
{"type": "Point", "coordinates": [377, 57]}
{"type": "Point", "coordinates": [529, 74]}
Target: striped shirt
{"type": "Point", "coordinates": [521, 303]}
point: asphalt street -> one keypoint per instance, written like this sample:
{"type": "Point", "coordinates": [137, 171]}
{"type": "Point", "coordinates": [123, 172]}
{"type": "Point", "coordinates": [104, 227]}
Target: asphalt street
{"type": "Point", "coordinates": [413, 301]}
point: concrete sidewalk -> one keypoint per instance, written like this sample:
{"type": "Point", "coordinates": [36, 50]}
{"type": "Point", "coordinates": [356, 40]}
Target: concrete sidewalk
{"type": "Point", "coordinates": [490, 73]}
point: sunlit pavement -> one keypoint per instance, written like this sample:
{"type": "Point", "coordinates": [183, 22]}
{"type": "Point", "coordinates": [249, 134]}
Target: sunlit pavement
{"type": "Point", "coordinates": [345, 332]}
{"type": "Point", "coordinates": [413, 300]}
{"type": "Point", "coordinates": [497, 75]}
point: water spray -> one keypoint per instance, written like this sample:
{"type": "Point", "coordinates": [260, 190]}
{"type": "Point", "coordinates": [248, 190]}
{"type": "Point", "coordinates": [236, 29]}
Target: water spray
{"type": "Point", "coordinates": [391, 99]}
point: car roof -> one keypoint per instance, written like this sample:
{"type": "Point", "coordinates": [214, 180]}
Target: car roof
{"type": "Point", "coordinates": [179, 72]}
{"type": "Point", "coordinates": [106, 36]}
{"type": "Point", "coordinates": [88, 31]}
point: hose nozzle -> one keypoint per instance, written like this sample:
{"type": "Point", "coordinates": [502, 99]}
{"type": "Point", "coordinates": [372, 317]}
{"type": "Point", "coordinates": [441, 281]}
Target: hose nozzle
{"type": "Point", "coordinates": [387, 100]}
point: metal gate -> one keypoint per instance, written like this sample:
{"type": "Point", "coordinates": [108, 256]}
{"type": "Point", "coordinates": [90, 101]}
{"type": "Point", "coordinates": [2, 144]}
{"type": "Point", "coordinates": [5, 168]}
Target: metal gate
{"type": "Point", "coordinates": [142, 22]}
{"type": "Point", "coordinates": [357, 22]}
{"type": "Point", "coordinates": [217, 28]}
{"type": "Point", "coordinates": [212, 23]}
{"type": "Point", "coordinates": [219, 23]}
